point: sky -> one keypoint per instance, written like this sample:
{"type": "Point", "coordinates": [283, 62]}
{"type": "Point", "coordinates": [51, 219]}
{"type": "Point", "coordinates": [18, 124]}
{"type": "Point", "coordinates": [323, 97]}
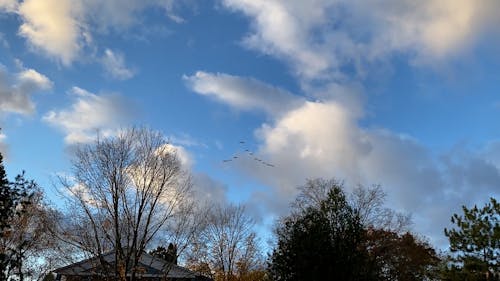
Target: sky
{"type": "Point", "coordinates": [399, 93]}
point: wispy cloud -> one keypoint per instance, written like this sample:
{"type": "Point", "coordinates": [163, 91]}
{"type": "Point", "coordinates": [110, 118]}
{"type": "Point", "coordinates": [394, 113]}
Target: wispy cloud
{"type": "Point", "coordinates": [186, 140]}
{"type": "Point", "coordinates": [114, 65]}
{"type": "Point", "coordinates": [242, 92]}
{"type": "Point", "coordinates": [88, 114]}
{"type": "Point", "coordinates": [120, 15]}
{"type": "Point", "coordinates": [281, 29]}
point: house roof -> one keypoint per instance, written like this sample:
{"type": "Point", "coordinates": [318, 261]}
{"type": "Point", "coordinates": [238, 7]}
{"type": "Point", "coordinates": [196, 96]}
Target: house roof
{"type": "Point", "coordinates": [149, 265]}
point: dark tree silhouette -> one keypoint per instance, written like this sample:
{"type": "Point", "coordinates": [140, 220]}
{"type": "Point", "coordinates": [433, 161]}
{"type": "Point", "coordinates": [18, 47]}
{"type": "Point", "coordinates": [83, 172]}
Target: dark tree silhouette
{"type": "Point", "coordinates": [169, 254]}
{"type": "Point", "coordinates": [7, 198]}
{"type": "Point", "coordinates": [327, 237]}
{"type": "Point", "coordinates": [401, 257]}
{"type": "Point", "coordinates": [324, 241]}
{"type": "Point", "coordinates": [14, 198]}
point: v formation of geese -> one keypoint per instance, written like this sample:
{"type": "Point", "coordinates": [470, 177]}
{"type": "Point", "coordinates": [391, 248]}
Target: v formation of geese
{"type": "Point", "coordinates": [248, 153]}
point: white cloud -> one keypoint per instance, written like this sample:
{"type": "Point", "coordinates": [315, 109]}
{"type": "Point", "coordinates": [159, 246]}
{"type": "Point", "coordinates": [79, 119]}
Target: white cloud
{"type": "Point", "coordinates": [320, 37]}
{"type": "Point", "coordinates": [53, 27]}
{"type": "Point", "coordinates": [170, 8]}
{"type": "Point", "coordinates": [16, 90]}
{"type": "Point", "coordinates": [281, 29]}
{"type": "Point", "coordinates": [89, 113]}
{"type": "Point", "coordinates": [185, 158]}
{"type": "Point", "coordinates": [316, 37]}
{"type": "Point", "coordinates": [434, 29]}
{"type": "Point", "coordinates": [31, 80]}
{"type": "Point", "coordinates": [114, 65]}
{"type": "Point", "coordinates": [242, 93]}
{"type": "Point", "coordinates": [186, 140]}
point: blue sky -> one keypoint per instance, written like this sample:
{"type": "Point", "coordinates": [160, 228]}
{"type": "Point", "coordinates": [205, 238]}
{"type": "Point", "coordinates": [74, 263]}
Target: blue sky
{"type": "Point", "coordinates": [398, 93]}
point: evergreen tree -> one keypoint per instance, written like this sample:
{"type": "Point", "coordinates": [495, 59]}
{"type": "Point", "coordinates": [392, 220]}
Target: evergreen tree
{"type": "Point", "coordinates": [328, 238]}
{"type": "Point", "coordinates": [6, 198]}
{"type": "Point", "coordinates": [12, 194]}
{"type": "Point", "coordinates": [6, 204]}
{"type": "Point", "coordinates": [322, 242]}
{"type": "Point", "coordinates": [475, 242]}
{"type": "Point", "coordinates": [14, 197]}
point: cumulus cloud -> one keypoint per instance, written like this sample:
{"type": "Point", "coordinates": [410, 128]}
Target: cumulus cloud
{"type": "Point", "coordinates": [89, 113]}
{"type": "Point", "coordinates": [114, 65]}
{"type": "Point", "coordinates": [16, 90]}
{"type": "Point", "coordinates": [320, 37]}
{"type": "Point", "coordinates": [434, 29]}
{"type": "Point", "coordinates": [53, 27]}
{"type": "Point", "coordinates": [325, 140]}
{"type": "Point", "coordinates": [242, 93]}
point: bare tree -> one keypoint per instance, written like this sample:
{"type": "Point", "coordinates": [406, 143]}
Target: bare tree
{"type": "Point", "coordinates": [313, 193]}
{"type": "Point", "coordinates": [228, 247]}
{"type": "Point", "coordinates": [122, 193]}
{"type": "Point", "coordinates": [369, 202]}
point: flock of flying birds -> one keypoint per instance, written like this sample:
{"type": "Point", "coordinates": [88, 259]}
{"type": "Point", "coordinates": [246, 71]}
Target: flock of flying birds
{"type": "Point", "coordinates": [247, 153]}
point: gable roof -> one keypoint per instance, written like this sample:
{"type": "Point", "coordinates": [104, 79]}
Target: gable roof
{"type": "Point", "coordinates": [150, 267]}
